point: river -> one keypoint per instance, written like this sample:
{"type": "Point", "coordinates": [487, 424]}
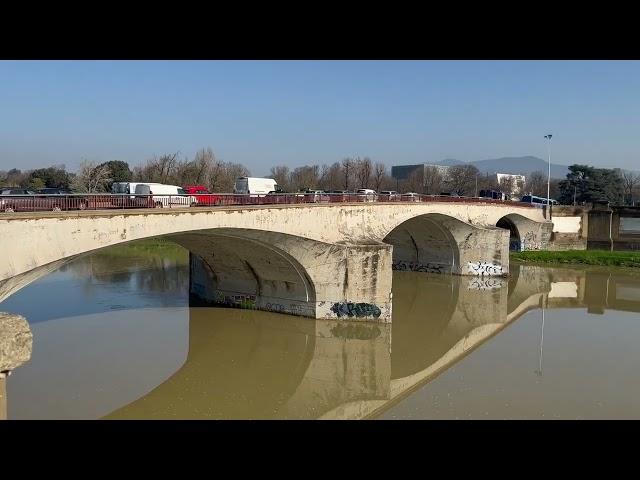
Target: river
{"type": "Point", "coordinates": [114, 337]}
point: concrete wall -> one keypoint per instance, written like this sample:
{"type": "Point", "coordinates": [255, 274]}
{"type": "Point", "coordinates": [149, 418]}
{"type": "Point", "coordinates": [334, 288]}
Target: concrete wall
{"type": "Point", "coordinates": [617, 227]}
{"type": "Point", "coordinates": [570, 228]}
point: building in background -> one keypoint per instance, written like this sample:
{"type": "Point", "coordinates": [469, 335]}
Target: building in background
{"type": "Point", "coordinates": [418, 178]}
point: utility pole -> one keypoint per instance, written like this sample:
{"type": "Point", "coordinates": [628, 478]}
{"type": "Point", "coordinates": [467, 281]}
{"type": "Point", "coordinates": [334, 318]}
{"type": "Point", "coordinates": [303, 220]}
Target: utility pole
{"type": "Point", "coordinates": [548, 137]}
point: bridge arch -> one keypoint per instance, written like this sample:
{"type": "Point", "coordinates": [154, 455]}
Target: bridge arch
{"type": "Point", "coordinates": [438, 243]}
{"type": "Point", "coordinates": [524, 233]}
{"type": "Point", "coordinates": [424, 244]}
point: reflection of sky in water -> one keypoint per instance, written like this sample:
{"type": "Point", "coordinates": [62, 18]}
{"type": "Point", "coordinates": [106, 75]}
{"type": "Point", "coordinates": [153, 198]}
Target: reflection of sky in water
{"type": "Point", "coordinates": [99, 283]}
{"type": "Point", "coordinates": [589, 370]}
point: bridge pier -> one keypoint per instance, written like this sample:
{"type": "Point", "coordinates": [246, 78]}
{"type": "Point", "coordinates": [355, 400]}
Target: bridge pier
{"type": "Point", "coordinates": [278, 273]}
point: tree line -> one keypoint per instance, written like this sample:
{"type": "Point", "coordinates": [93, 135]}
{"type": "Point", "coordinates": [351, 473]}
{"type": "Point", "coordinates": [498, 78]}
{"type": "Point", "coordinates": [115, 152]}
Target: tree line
{"type": "Point", "coordinates": [583, 183]}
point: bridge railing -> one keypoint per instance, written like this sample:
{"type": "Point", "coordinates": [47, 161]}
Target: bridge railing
{"type": "Point", "coordinates": [108, 201]}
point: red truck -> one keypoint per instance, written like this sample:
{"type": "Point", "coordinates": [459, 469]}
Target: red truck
{"type": "Point", "coordinates": [203, 196]}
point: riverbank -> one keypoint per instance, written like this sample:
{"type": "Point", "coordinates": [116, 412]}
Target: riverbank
{"type": "Point", "coordinates": [580, 257]}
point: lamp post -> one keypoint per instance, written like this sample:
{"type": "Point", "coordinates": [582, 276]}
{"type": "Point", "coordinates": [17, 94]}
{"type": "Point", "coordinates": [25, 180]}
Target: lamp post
{"type": "Point", "coordinates": [548, 137]}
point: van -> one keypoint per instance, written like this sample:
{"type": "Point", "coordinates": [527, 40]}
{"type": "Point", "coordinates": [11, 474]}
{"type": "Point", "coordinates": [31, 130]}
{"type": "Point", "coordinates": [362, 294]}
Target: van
{"type": "Point", "coordinates": [167, 196]}
{"type": "Point", "coordinates": [255, 186]}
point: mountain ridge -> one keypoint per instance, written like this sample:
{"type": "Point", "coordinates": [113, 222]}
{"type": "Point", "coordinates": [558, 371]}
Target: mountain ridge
{"type": "Point", "coordinates": [524, 165]}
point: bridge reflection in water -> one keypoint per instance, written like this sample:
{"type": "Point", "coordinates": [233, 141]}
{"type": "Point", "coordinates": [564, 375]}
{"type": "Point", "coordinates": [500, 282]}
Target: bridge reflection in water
{"type": "Point", "coordinates": [251, 364]}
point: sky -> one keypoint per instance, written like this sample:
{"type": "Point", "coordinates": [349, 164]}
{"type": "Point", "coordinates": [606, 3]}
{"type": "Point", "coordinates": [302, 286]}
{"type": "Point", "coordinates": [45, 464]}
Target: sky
{"type": "Point", "coordinates": [266, 113]}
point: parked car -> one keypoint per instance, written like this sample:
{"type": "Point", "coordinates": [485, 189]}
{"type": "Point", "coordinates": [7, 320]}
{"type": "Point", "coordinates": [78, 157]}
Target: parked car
{"type": "Point", "coordinates": [339, 195]}
{"type": "Point", "coordinates": [54, 191]}
{"type": "Point", "coordinates": [410, 197]}
{"type": "Point", "coordinates": [366, 195]}
{"type": "Point", "coordinates": [202, 195]}
{"type": "Point", "coordinates": [25, 200]}
{"type": "Point", "coordinates": [316, 196]}
{"type": "Point", "coordinates": [389, 196]}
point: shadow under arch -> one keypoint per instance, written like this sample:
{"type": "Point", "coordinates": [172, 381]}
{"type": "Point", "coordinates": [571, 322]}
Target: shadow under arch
{"type": "Point", "coordinates": [425, 244]}
{"type": "Point", "coordinates": [514, 235]}
{"type": "Point", "coordinates": [249, 269]}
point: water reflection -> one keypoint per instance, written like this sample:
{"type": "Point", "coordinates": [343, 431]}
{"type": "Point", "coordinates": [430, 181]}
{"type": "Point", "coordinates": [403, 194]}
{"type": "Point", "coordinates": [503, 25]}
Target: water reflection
{"type": "Point", "coordinates": [138, 275]}
{"type": "Point", "coordinates": [220, 363]}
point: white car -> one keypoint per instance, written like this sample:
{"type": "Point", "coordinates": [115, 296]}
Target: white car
{"type": "Point", "coordinates": [367, 194]}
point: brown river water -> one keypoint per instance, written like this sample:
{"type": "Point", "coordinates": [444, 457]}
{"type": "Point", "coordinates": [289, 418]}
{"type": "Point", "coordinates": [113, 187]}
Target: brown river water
{"type": "Point", "coordinates": [114, 338]}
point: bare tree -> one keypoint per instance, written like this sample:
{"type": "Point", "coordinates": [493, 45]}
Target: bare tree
{"type": "Point", "coordinates": [347, 171]}
{"type": "Point", "coordinates": [629, 182]}
{"type": "Point", "coordinates": [432, 182]}
{"type": "Point", "coordinates": [203, 164]}
{"type": "Point", "coordinates": [362, 170]}
{"type": "Point", "coordinates": [306, 177]}
{"type": "Point", "coordinates": [506, 185]}
{"type": "Point", "coordinates": [536, 184]}
{"type": "Point", "coordinates": [461, 179]}
{"type": "Point", "coordinates": [379, 172]}
{"type": "Point", "coordinates": [415, 182]}
{"type": "Point", "coordinates": [280, 174]}
{"type": "Point", "coordinates": [225, 175]}
{"type": "Point", "coordinates": [91, 178]}
{"type": "Point", "coordinates": [331, 177]}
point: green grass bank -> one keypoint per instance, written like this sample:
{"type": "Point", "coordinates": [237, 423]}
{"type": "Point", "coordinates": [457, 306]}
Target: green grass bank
{"type": "Point", "coordinates": [580, 257]}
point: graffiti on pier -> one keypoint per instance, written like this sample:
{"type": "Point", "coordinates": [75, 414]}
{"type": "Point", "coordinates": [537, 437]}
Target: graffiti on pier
{"type": "Point", "coordinates": [358, 310]}
{"type": "Point", "coordinates": [485, 268]}
{"type": "Point", "coordinates": [485, 284]}
{"type": "Point", "coordinates": [530, 242]}
{"type": "Point", "coordinates": [403, 266]}
{"type": "Point", "coordinates": [275, 307]}
{"type": "Point", "coordinates": [237, 301]}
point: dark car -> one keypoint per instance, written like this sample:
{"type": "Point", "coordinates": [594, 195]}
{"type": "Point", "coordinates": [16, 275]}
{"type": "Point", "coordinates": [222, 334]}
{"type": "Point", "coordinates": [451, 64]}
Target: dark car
{"type": "Point", "coordinates": [25, 200]}
{"type": "Point", "coordinates": [54, 191]}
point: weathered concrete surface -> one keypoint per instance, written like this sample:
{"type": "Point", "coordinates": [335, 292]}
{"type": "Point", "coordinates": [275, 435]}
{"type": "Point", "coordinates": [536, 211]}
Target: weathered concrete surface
{"type": "Point", "coordinates": [285, 274]}
{"type": "Point", "coordinates": [3, 398]}
{"type": "Point", "coordinates": [524, 233]}
{"type": "Point", "coordinates": [48, 237]}
{"type": "Point", "coordinates": [612, 227]}
{"type": "Point", "coordinates": [16, 341]}
{"type": "Point", "coordinates": [570, 227]}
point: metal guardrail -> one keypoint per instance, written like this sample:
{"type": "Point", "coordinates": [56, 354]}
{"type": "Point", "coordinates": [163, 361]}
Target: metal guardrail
{"type": "Point", "coordinates": [102, 201]}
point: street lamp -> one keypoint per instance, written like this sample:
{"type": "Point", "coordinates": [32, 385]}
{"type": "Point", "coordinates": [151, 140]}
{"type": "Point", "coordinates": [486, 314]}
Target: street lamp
{"type": "Point", "coordinates": [548, 137]}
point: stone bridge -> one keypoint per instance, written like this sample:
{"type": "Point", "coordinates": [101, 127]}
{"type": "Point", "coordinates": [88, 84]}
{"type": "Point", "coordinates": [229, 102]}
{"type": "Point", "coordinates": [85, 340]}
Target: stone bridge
{"type": "Point", "coordinates": [322, 261]}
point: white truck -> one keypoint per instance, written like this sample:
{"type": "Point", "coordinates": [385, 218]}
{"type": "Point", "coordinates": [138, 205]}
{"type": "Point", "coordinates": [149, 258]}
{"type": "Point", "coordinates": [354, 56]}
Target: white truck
{"type": "Point", "coordinates": [254, 186]}
{"type": "Point", "coordinates": [168, 196]}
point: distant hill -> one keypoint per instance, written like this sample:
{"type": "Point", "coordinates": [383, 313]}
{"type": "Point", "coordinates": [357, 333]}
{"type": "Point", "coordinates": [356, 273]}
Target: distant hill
{"type": "Point", "coordinates": [515, 165]}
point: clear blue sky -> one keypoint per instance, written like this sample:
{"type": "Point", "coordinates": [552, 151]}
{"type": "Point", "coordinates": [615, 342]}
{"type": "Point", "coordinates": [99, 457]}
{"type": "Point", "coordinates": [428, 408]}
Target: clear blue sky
{"type": "Point", "coordinates": [265, 113]}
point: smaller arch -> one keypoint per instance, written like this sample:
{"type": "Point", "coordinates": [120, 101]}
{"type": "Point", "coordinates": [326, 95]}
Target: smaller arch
{"type": "Point", "coordinates": [425, 243]}
{"type": "Point", "coordinates": [515, 244]}
{"type": "Point", "coordinates": [524, 233]}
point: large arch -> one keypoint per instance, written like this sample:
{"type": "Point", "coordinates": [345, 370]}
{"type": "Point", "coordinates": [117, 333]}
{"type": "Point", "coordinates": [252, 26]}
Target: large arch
{"type": "Point", "coordinates": [438, 243]}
